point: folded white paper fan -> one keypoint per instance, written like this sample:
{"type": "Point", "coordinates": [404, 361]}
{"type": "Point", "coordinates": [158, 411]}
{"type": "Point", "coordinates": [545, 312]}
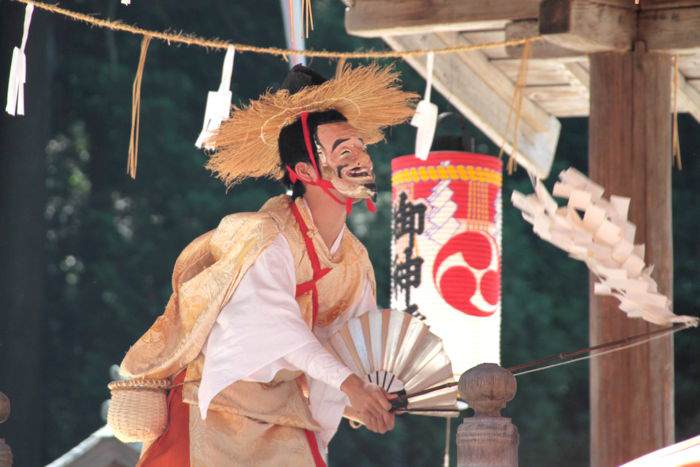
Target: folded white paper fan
{"type": "Point", "coordinates": [398, 353]}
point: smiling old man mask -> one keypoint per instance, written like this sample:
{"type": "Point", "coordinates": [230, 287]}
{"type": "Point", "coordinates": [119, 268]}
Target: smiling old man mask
{"type": "Point", "coordinates": [344, 160]}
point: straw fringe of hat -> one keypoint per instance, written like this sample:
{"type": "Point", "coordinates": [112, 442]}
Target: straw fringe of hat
{"type": "Point", "coordinates": [246, 144]}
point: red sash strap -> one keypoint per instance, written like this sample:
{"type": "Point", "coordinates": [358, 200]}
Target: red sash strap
{"type": "Point", "coordinates": [318, 272]}
{"type": "Point", "coordinates": [305, 287]}
{"type": "Point", "coordinates": [315, 452]}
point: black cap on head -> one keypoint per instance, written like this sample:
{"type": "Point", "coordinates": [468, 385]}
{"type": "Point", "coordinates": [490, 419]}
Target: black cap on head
{"type": "Point", "coordinates": [300, 77]}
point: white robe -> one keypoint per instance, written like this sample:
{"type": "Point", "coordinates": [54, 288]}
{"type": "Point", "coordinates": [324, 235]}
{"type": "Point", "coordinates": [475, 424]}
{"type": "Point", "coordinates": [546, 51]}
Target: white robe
{"type": "Point", "coordinates": [260, 331]}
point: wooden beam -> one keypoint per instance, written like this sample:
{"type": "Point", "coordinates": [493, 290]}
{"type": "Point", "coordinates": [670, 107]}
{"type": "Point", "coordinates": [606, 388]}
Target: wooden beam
{"type": "Point", "coordinates": [569, 26]}
{"type": "Point", "coordinates": [631, 392]}
{"type": "Point", "coordinates": [671, 30]}
{"type": "Point", "coordinates": [483, 95]}
{"type": "Point", "coordinates": [664, 4]}
{"type": "Point", "coordinates": [587, 25]}
{"type": "Point", "coordinates": [688, 96]}
{"type": "Point", "coordinates": [374, 18]}
{"type": "Point", "coordinates": [631, 5]}
{"type": "Point", "coordinates": [521, 29]}
{"type": "Point", "coordinates": [593, 26]}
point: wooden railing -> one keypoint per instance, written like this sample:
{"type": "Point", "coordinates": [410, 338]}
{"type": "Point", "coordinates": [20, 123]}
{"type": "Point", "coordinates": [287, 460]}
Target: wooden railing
{"type": "Point", "coordinates": [487, 439]}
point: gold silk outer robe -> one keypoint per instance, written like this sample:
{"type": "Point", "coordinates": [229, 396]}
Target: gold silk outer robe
{"type": "Point", "coordinates": [248, 423]}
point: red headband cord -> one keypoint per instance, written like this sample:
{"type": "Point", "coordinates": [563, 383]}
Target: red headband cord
{"type": "Point", "coordinates": [322, 183]}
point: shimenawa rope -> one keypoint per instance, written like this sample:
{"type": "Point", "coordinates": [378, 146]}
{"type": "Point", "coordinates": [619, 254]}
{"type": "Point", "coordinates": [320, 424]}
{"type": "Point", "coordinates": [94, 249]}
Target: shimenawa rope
{"type": "Point", "coordinates": [190, 39]}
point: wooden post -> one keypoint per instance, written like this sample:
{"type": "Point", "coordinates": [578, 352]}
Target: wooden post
{"type": "Point", "coordinates": [630, 154]}
{"type": "Point", "coordinates": [487, 439]}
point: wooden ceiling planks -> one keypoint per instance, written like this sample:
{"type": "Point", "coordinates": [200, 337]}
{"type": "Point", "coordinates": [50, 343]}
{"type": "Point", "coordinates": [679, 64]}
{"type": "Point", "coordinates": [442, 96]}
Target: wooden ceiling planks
{"type": "Point", "coordinates": [486, 36]}
{"type": "Point", "coordinates": [690, 66]}
{"type": "Point", "coordinates": [484, 95]}
{"type": "Point", "coordinates": [560, 100]}
{"type": "Point", "coordinates": [539, 72]}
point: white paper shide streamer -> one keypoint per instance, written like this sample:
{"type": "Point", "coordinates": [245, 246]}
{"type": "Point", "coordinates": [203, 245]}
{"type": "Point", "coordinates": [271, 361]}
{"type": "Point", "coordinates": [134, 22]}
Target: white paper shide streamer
{"type": "Point", "coordinates": [218, 103]}
{"type": "Point", "coordinates": [18, 70]}
{"type": "Point", "coordinates": [425, 118]}
{"type": "Point", "coordinates": [596, 230]}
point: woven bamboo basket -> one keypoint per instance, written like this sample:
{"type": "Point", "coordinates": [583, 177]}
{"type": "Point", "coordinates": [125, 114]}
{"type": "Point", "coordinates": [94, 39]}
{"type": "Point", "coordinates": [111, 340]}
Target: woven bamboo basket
{"type": "Point", "coordinates": [138, 410]}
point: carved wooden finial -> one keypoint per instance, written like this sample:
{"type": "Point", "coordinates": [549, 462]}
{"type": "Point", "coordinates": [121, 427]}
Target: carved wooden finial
{"type": "Point", "coordinates": [487, 439]}
{"type": "Point", "coordinates": [487, 388]}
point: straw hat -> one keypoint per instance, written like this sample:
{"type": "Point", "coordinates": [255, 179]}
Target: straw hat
{"type": "Point", "coordinates": [247, 142]}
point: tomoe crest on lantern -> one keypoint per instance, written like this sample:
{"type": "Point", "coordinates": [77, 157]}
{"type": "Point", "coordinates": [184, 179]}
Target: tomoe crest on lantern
{"type": "Point", "coordinates": [466, 273]}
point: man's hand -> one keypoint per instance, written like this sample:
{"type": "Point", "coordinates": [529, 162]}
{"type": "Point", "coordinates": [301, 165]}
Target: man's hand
{"type": "Point", "coordinates": [370, 403]}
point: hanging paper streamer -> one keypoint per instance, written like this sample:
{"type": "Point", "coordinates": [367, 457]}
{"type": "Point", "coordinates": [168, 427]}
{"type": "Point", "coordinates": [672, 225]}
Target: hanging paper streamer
{"type": "Point", "coordinates": [218, 103]}
{"type": "Point", "coordinates": [425, 118]}
{"type": "Point", "coordinates": [136, 110]}
{"type": "Point", "coordinates": [293, 11]}
{"type": "Point", "coordinates": [596, 230]}
{"type": "Point", "coordinates": [446, 251]}
{"type": "Point", "coordinates": [18, 70]}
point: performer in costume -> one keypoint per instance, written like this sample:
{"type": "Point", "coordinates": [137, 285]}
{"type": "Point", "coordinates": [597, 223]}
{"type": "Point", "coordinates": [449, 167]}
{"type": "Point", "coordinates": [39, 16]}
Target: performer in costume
{"type": "Point", "coordinates": [255, 299]}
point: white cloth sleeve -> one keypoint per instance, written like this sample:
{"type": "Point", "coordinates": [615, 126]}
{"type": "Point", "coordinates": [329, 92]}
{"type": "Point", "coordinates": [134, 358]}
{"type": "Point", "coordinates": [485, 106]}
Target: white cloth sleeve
{"type": "Point", "coordinates": [318, 363]}
{"type": "Point", "coordinates": [259, 327]}
{"type": "Point", "coordinates": [327, 403]}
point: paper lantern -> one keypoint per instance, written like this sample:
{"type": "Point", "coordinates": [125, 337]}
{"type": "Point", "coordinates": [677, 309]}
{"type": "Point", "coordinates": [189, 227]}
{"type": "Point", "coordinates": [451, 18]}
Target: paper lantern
{"type": "Point", "coordinates": [446, 251]}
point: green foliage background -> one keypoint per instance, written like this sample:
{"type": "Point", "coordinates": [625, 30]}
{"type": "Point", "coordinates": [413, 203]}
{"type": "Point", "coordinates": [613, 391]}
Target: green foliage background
{"type": "Point", "coordinates": [111, 241]}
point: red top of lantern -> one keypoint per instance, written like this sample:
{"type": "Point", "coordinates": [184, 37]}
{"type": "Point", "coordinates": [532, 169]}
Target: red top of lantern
{"type": "Point", "coordinates": [454, 157]}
